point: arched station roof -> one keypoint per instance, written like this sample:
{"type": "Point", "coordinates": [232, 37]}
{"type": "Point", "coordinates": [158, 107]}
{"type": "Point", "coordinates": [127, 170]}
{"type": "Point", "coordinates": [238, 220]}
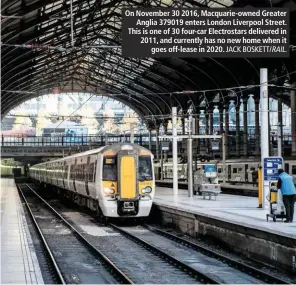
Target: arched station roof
{"type": "Point", "coordinates": [31, 72]}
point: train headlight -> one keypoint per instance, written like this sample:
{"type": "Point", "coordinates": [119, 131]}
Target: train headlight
{"type": "Point", "coordinates": [108, 190]}
{"type": "Point", "coordinates": [147, 189]}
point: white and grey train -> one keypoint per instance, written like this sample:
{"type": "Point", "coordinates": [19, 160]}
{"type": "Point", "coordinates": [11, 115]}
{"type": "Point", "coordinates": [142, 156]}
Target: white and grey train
{"type": "Point", "coordinates": [115, 181]}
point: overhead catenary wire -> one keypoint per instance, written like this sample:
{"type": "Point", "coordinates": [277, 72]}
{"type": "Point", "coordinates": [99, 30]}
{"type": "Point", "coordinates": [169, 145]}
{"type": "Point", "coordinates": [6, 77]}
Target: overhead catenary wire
{"type": "Point", "coordinates": [184, 92]}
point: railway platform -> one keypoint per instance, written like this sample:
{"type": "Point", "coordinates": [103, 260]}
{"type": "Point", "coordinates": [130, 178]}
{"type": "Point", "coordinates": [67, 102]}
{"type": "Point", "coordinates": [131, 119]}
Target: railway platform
{"type": "Point", "coordinates": [234, 220]}
{"type": "Point", "coordinates": [19, 263]}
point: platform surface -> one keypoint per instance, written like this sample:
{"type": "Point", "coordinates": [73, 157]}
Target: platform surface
{"type": "Point", "coordinates": [239, 210]}
{"type": "Point", "coordinates": [19, 263]}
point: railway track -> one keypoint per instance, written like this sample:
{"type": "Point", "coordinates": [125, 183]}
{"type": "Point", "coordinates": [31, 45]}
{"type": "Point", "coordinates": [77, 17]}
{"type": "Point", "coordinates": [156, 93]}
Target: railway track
{"type": "Point", "coordinates": [210, 266]}
{"type": "Point", "coordinates": [161, 251]}
{"type": "Point", "coordinates": [267, 278]}
{"type": "Point", "coordinates": [73, 258]}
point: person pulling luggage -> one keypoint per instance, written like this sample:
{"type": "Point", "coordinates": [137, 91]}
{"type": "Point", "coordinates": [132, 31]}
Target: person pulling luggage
{"type": "Point", "coordinates": [286, 184]}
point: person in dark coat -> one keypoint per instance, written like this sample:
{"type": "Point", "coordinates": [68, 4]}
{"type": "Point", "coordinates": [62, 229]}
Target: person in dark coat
{"type": "Point", "coordinates": [286, 184]}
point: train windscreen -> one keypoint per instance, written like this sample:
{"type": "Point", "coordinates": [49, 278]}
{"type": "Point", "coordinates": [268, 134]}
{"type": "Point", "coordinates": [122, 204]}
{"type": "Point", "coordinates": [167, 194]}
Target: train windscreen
{"type": "Point", "coordinates": [110, 169]}
{"type": "Point", "coordinates": [145, 168]}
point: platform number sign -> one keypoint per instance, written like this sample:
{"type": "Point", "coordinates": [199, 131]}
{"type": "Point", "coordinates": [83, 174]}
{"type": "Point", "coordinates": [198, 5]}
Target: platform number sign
{"type": "Point", "coordinates": [271, 166]}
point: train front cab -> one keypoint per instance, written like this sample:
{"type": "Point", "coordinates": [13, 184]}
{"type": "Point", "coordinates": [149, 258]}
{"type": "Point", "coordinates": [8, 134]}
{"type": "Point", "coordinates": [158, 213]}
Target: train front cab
{"type": "Point", "coordinates": [128, 184]}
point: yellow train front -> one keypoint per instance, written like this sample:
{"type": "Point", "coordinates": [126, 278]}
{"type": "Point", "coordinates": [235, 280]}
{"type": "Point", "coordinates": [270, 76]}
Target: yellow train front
{"type": "Point", "coordinates": [127, 181]}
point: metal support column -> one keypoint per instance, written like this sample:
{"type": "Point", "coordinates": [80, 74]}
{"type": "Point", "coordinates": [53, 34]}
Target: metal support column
{"type": "Point", "coordinates": [207, 127]}
{"type": "Point", "coordinates": [280, 126]}
{"type": "Point", "coordinates": [132, 139]}
{"type": "Point", "coordinates": [226, 121]}
{"type": "Point", "coordinates": [279, 140]}
{"type": "Point", "coordinates": [293, 119]}
{"type": "Point", "coordinates": [189, 159]}
{"type": "Point", "coordinates": [257, 127]}
{"type": "Point", "coordinates": [224, 157]}
{"type": "Point", "coordinates": [211, 120]}
{"type": "Point", "coordinates": [237, 134]}
{"type": "Point", "coordinates": [165, 153]}
{"type": "Point", "coordinates": [264, 128]}
{"type": "Point", "coordinates": [221, 120]}
{"type": "Point", "coordinates": [245, 102]}
{"type": "Point", "coordinates": [161, 165]}
{"type": "Point", "coordinates": [157, 143]}
{"type": "Point", "coordinates": [197, 132]}
{"type": "Point", "coordinates": [150, 142]}
{"type": "Point", "coordinates": [175, 151]}
{"type": "Point", "coordinates": [221, 129]}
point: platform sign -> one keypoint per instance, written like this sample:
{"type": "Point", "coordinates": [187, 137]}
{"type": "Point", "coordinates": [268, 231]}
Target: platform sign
{"type": "Point", "coordinates": [271, 166]}
{"type": "Point", "coordinates": [165, 145]}
{"type": "Point", "coordinates": [210, 171]}
{"type": "Point", "coordinates": [215, 144]}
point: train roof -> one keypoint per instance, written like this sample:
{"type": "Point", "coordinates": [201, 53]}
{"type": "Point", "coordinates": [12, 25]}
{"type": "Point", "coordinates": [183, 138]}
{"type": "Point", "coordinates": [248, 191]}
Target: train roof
{"type": "Point", "coordinates": [108, 148]}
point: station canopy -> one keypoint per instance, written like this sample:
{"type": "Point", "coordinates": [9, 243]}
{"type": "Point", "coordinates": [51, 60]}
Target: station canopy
{"type": "Point", "coordinates": [49, 65]}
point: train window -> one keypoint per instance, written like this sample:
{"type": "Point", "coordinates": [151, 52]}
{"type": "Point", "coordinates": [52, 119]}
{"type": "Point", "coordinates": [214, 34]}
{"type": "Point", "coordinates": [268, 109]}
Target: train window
{"type": "Point", "coordinates": [293, 169]}
{"type": "Point", "coordinates": [110, 169]}
{"type": "Point", "coordinates": [145, 169]}
{"type": "Point", "coordinates": [84, 171]}
{"type": "Point", "coordinates": [234, 170]}
{"type": "Point", "coordinates": [95, 169]}
{"type": "Point", "coordinates": [90, 172]}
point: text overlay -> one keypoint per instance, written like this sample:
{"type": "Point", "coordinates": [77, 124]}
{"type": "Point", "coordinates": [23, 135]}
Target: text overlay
{"type": "Point", "coordinates": [168, 32]}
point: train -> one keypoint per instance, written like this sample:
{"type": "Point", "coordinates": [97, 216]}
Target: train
{"type": "Point", "coordinates": [115, 181]}
{"type": "Point", "coordinates": [244, 171]}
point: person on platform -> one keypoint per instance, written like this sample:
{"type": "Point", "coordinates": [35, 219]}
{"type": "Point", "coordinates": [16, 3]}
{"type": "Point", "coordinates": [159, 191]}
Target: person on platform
{"type": "Point", "coordinates": [286, 184]}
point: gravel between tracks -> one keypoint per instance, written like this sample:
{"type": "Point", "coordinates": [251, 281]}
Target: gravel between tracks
{"type": "Point", "coordinates": [139, 264]}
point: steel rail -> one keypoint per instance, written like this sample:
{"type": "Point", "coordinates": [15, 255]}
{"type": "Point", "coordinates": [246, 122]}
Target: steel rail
{"type": "Point", "coordinates": [52, 259]}
{"type": "Point", "coordinates": [208, 252]}
{"type": "Point", "coordinates": [190, 270]}
{"type": "Point", "coordinates": [119, 274]}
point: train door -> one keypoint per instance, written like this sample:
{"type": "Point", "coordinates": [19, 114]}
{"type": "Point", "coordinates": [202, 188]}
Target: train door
{"type": "Point", "coordinates": [64, 173]}
{"type": "Point", "coordinates": [127, 173]}
{"type": "Point", "coordinates": [75, 174]}
{"type": "Point", "coordinates": [92, 176]}
{"type": "Point", "coordinates": [87, 170]}
{"type": "Point", "coordinates": [246, 173]}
